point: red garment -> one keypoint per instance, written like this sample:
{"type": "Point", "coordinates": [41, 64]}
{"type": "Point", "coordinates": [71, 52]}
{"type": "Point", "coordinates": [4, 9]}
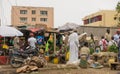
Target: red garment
{"type": "Point", "coordinates": [104, 45]}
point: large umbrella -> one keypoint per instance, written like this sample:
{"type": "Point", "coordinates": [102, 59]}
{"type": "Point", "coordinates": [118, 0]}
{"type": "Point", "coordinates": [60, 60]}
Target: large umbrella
{"type": "Point", "coordinates": [6, 31]}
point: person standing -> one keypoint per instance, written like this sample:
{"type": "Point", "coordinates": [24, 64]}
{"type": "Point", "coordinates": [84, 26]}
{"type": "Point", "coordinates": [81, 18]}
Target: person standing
{"type": "Point", "coordinates": [16, 41]}
{"type": "Point", "coordinates": [66, 38]}
{"type": "Point", "coordinates": [103, 44]}
{"type": "Point", "coordinates": [32, 41]}
{"type": "Point", "coordinates": [108, 35]}
{"type": "Point", "coordinates": [40, 38]}
{"type": "Point", "coordinates": [73, 45]}
{"type": "Point", "coordinates": [112, 42]}
{"type": "Point", "coordinates": [116, 36]}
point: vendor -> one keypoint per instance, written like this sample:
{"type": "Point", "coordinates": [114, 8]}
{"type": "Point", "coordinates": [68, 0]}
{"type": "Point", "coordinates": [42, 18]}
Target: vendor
{"type": "Point", "coordinates": [85, 51]}
{"type": "Point", "coordinates": [16, 42]}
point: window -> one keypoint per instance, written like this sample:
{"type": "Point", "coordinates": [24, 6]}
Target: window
{"type": "Point", "coordinates": [23, 11]}
{"type": "Point", "coordinates": [93, 19]}
{"type": "Point", "coordinates": [86, 21]}
{"type": "Point", "coordinates": [33, 12]}
{"type": "Point", "coordinates": [90, 20]}
{"type": "Point", "coordinates": [99, 17]}
{"type": "Point", "coordinates": [43, 19]}
{"type": "Point", "coordinates": [43, 12]}
{"type": "Point", "coordinates": [33, 19]}
{"type": "Point", "coordinates": [23, 19]}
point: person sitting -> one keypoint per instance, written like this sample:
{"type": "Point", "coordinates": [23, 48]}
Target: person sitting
{"type": "Point", "coordinates": [85, 51]}
{"type": "Point", "coordinates": [61, 55]}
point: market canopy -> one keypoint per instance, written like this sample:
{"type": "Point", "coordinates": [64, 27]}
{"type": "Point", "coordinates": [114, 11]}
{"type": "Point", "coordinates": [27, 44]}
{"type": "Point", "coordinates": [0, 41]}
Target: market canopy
{"type": "Point", "coordinates": [68, 26]}
{"type": "Point", "coordinates": [34, 29]}
{"type": "Point", "coordinates": [7, 31]}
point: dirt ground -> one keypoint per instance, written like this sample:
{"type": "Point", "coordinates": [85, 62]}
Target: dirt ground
{"type": "Point", "coordinates": [79, 71]}
{"type": "Point", "coordinates": [9, 70]}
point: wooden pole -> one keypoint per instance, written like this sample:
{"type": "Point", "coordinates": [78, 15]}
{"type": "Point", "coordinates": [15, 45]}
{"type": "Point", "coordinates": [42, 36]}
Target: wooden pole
{"type": "Point", "coordinates": [54, 42]}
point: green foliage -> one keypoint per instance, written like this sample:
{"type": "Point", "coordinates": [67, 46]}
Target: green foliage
{"type": "Point", "coordinates": [57, 48]}
{"type": "Point", "coordinates": [113, 48]}
{"type": "Point", "coordinates": [91, 50]}
{"type": "Point", "coordinates": [118, 7]}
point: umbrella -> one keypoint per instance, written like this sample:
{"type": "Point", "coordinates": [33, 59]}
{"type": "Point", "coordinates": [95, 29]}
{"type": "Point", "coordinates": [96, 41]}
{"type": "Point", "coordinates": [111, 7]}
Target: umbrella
{"type": "Point", "coordinates": [6, 31]}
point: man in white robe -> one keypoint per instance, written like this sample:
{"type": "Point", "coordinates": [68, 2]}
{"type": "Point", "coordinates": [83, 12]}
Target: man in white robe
{"type": "Point", "coordinates": [73, 45]}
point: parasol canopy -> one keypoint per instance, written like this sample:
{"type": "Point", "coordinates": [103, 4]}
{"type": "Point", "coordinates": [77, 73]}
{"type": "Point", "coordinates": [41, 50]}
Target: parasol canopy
{"type": "Point", "coordinates": [6, 31]}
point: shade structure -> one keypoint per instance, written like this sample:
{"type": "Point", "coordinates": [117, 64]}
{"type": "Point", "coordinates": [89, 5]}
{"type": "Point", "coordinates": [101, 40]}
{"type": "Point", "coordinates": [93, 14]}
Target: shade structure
{"type": "Point", "coordinates": [6, 31]}
{"type": "Point", "coordinates": [68, 26]}
{"type": "Point", "coordinates": [34, 29]}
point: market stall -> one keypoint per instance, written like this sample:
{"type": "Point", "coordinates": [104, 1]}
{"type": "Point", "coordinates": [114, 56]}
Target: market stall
{"type": "Point", "coordinates": [6, 31]}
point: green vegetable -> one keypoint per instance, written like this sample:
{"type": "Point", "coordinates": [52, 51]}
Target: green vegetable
{"type": "Point", "coordinates": [113, 48]}
{"type": "Point", "coordinates": [91, 50]}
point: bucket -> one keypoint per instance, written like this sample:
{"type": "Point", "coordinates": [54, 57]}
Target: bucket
{"type": "Point", "coordinates": [56, 60]}
{"type": "Point", "coordinates": [111, 60]}
{"type": "Point", "coordinates": [67, 56]}
{"type": "Point", "coordinates": [47, 58]}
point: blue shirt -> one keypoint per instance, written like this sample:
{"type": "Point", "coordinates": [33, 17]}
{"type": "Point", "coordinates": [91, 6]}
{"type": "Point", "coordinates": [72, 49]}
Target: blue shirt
{"type": "Point", "coordinates": [116, 37]}
{"type": "Point", "coordinates": [40, 39]}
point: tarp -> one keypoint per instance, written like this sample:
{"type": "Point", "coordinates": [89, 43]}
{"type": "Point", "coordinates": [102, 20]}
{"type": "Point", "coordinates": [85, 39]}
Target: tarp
{"type": "Point", "coordinates": [68, 26]}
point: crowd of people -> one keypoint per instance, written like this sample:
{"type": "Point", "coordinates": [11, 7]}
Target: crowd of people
{"type": "Point", "coordinates": [107, 43]}
{"type": "Point", "coordinates": [66, 42]}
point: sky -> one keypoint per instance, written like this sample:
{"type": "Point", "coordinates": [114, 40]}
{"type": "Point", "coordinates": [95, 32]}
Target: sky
{"type": "Point", "coordinates": [65, 11]}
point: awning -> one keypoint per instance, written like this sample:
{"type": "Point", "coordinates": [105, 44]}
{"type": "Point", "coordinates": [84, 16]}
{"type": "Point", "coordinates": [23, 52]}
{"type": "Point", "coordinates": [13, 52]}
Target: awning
{"type": "Point", "coordinates": [34, 29]}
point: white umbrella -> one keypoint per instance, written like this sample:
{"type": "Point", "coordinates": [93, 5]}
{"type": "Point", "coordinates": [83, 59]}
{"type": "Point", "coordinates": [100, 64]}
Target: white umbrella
{"type": "Point", "coordinates": [6, 31]}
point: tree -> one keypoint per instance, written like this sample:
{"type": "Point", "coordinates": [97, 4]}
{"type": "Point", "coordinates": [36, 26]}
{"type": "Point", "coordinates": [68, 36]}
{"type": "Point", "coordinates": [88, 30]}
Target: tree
{"type": "Point", "coordinates": [118, 7]}
{"type": "Point", "coordinates": [117, 16]}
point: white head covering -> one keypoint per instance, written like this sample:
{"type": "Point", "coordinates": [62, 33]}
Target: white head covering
{"type": "Point", "coordinates": [81, 35]}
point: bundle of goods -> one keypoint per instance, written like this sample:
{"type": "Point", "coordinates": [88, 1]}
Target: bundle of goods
{"type": "Point", "coordinates": [103, 57]}
{"type": "Point", "coordinates": [83, 62]}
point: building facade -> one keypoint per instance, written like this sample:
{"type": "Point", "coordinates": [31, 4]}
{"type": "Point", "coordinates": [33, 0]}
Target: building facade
{"type": "Point", "coordinates": [103, 18]}
{"type": "Point", "coordinates": [32, 16]}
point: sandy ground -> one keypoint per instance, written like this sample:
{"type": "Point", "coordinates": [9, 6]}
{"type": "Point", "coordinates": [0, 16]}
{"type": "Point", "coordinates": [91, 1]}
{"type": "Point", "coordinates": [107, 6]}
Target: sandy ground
{"type": "Point", "coordinates": [79, 71]}
{"type": "Point", "coordinates": [7, 69]}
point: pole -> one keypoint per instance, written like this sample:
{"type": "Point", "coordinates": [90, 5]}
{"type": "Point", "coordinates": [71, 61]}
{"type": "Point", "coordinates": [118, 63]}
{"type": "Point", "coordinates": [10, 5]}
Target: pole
{"type": "Point", "coordinates": [0, 21]}
{"type": "Point", "coordinates": [1, 13]}
{"type": "Point", "coordinates": [54, 42]}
